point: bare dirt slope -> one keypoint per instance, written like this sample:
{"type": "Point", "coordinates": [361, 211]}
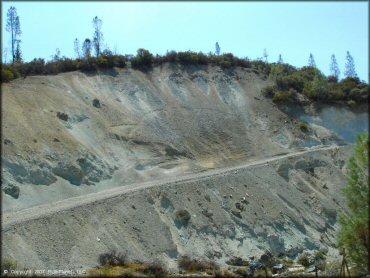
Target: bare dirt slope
{"type": "Point", "coordinates": [77, 138]}
{"type": "Point", "coordinates": [169, 121]}
{"type": "Point", "coordinates": [285, 204]}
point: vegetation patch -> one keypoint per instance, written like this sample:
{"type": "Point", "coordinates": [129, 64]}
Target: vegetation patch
{"type": "Point", "coordinates": [303, 126]}
{"type": "Point", "coordinates": [196, 265]}
{"type": "Point", "coordinates": [112, 258]}
{"type": "Point", "coordinates": [182, 216]}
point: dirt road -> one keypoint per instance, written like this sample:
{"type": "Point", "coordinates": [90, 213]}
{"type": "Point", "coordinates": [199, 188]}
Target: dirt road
{"type": "Point", "coordinates": [14, 218]}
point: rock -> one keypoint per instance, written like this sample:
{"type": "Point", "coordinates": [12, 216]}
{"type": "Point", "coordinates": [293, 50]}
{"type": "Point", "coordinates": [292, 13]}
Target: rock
{"type": "Point", "coordinates": [207, 197]}
{"type": "Point", "coordinates": [96, 103]}
{"type": "Point", "coordinates": [278, 267]}
{"type": "Point", "coordinates": [12, 190]}
{"type": "Point", "coordinates": [293, 251]}
{"type": "Point", "coordinates": [70, 172]}
{"type": "Point", "coordinates": [236, 213]}
{"type": "Point", "coordinates": [296, 268]}
{"type": "Point", "coordinates": [42, 176]}
{"type": "Point", "coordinates": [276, 244]}
{"type": "Point", "coordinates": [239, 206]}
{"type": "Point", "coordinates": [63, 116]}
{"type": "Point", "coordinates": [267, 259]}
{"type": "Point", "coordinates": [283, 170]}
{"type": "Point", "coordinates": [7, 142]}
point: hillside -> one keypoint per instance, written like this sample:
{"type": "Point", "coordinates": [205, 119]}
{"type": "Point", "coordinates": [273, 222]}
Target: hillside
{"type": "Point", "coordinates": [75, 134]}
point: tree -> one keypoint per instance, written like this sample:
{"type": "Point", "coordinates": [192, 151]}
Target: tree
{"type": "Point", "coordinates": [98, 36]}
{"type": "Point", "coordinates": [350, 66]}
{"type": "Point", "coordinates": [77, 48]}
{"type": "Point", "coordinates": [218, 49]}
{"type": "Point", "coordinates": [334, 69]}
{"type": "Point", "coordinates": [265, 54]}
{"type": "Point", "coordinates": [18, 53]}
{"type": "Point", "coordinates": [311, 61]}
{"type": "Point", "coordinates": [56, 56]}
{"type": "Point", "coordinates": [280, 61]}
{"type": "Point", "coordinates": [354, 230]}
{"type": "Point", "coordinates": [13, 26]}
{"type": "Point", "coordinates": [86, 48]}
{"type": "Point", "coordinates": [5, 54]}
{"type": "Point", "coordinates": [143, 58]}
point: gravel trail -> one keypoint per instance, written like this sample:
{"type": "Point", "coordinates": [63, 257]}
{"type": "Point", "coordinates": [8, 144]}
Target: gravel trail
{"type": "Point", "coordinates": [14, 218]}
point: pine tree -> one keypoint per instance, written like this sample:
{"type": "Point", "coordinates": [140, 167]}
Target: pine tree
{"type": "Point", "coordinates": [334, 69]}
{"type": "Point", "coordinates": [13, 26]}
{"type": "Point", "coordinates": [280, 61]}
{"type": "Point", "coordinates": [311, 61]}
{"type": "Point", "coordinates": [354, 232]}
{"type": "Point", "coordinates": [18, 53]}
{"type": "Point", "coordinates": [350, 70]}
{"type": "Point", "coordinates": [265, 54]}
{"type": "Point", "coordinates": [77, 48]}
{"type": "Point", "coordinates": [98, 36]}
{"type": "Point", "coordinates": [218, 49]}
{"type": "Point", "coordinates": [86, 48]}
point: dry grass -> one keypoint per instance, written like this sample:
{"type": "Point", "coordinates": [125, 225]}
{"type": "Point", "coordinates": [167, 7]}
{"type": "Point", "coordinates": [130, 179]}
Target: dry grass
{"type": "Point", "coordinates": [130, 270]}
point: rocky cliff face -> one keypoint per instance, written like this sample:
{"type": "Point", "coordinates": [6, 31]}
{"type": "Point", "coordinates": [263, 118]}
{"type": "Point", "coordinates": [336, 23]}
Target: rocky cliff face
{"type": "Point", "coordinates": [74, 134]}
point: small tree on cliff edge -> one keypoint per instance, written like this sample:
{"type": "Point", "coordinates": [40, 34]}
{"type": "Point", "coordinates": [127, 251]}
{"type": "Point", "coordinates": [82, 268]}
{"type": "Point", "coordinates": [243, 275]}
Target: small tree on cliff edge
{"type": "Point", "coordinates": [218, 49]}
{"type": "Point", "coordinates": [334, 69]}
{"type": "Point", "coordinates": [350, 70]}
{"type": "Point", "coordinates": [13, 26]}
{"type": "Point", "coordinates": [354, 232]}
{"type": "Point", "coordinates": [98, 36]}
{"type": "Point", "coordinates": [311, 61]}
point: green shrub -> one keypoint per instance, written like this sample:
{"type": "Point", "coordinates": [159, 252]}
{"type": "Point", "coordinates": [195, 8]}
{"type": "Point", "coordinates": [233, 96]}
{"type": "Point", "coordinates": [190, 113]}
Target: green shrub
{"type": "Point", "coordinates": [8, 264]}
{"type": "Point", "coordinates": [348, 84]}
{"type": "Point", "coordinates": [6, 75]}
{"type": "Point", "coordinates": [156, 270]}
{"type": "Point", "coordinates": [237, 261]}
{"type": "Point", "coordinates": [281, 97]}
{"type": "Point", "coordinates": [304, 260]}
{"type": "Point", "coordinates": [268, 91]}
{"type": "Point", "coordinates": [112, 258]}
{"type": "Point", "coordinates": [351, 103]}
{"type": "Point", "coordinates": [194, 265]}
{"type": "Point", "coordinates": [303, 126]}
{"type": "Point", "coordinates": [182, 216]}
{"type": "Point", "coordinates": [9, 73]}
{"type": "Point", "coordinates": [294, 81]}
{"type": "Point", "coordinates": [225, 64]}
{"type": "Point", "coordinates": [143, 59]}
{"type": "Point", "coordinates": [359, 94]}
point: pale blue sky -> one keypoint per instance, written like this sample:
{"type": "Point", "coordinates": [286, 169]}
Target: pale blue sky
{"type": "Point", "coordinates": [294, 29]}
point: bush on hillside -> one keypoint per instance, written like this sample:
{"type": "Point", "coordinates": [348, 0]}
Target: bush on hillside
{"type": "Point", "coordinates": [196, 265]}
{"type": "Point", "coordinates": [281, 97]}
{"type": "Point", "coordinates": [143, 59]}
{"type": "Point", "coordinates": [268, 91]}
{"type": "Point", "coordinates": [112, 258]}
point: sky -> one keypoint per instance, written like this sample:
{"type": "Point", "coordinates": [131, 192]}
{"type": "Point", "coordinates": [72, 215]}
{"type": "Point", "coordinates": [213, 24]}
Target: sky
{"type": "Point", "coordinates": [292, 29]}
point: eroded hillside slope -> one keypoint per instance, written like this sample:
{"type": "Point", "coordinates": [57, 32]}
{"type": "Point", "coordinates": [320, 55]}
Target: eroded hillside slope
{"type": "Point", "coordinates": [77, 133]}
{"type": "Point", "coordinates": [286, 205]}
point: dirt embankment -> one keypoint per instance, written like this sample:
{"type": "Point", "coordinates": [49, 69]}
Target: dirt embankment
{"type": "Point", "coordinates": [285, 204]}
{"type": "Point", "coordinates": [75, 133]}
{"type": "Point", "coordinates": [74, 136]}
